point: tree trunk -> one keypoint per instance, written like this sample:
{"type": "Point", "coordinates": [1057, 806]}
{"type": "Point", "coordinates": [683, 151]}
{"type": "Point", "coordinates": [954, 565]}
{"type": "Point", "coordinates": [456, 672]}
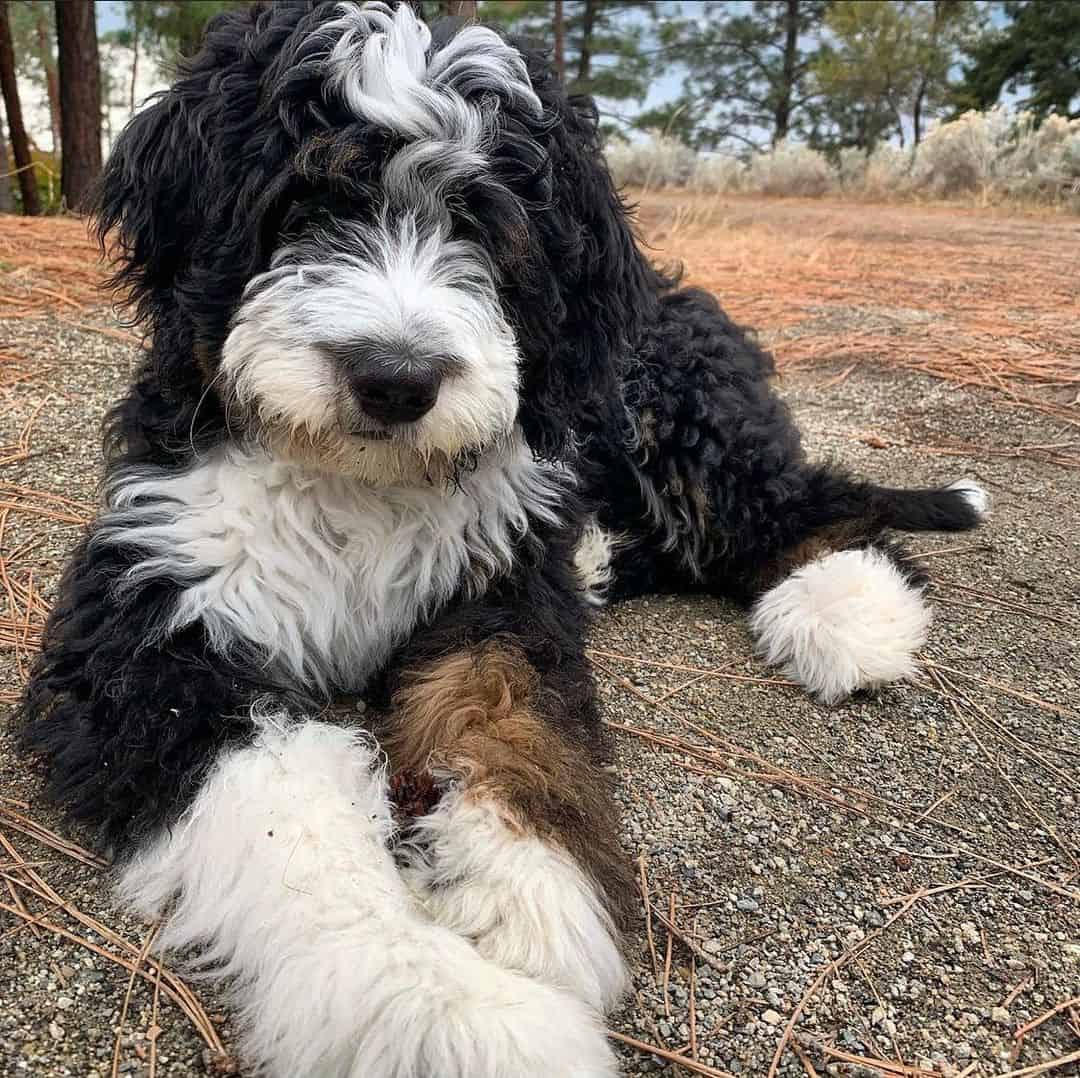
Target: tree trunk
{"type": "Point", "coordinates": [560, 41]}
{"type": "Point", "coordinates": [80, 100]}
{"type": "Point", "coordinates": [463, 9]}
{"type": "Point", "coordinates": [924, 81]}
{"type": "Point", "coordinates": [52, 87]}
{"type": "Point", "coordinates": [20, 144]}
{"type": "Point", "coordinates": [588, 25]}
{"type": "Point", "coordinates": [916, 110]}
{"type": "Point", "coordinates": [7, 199]}
{"type": "Point", "coordinates": [782, 114]}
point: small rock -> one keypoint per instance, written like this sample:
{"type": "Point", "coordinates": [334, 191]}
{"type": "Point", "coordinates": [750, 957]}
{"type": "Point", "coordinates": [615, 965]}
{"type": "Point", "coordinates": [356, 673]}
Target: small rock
{"type": "Point", "coordinates": [1000, 1016]}
{"type": "Point", "coordinates": [772, 1018]}
{"type": "Point", "coordinates": [56, 1031]}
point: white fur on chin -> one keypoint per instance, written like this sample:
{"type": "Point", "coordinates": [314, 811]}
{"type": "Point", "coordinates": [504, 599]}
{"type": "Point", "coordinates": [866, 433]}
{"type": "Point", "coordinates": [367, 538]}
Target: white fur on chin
{"type": "Point", "coordinates": [847, 621]}
{"type": "Point", "coordinates": [281, 873]}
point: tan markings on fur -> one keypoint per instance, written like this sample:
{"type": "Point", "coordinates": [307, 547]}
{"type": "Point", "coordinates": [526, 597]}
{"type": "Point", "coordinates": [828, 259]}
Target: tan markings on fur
{"type": "Point", "coordinates": [841, 536]}
{"type": "Point", "coordinates": [479, 716]}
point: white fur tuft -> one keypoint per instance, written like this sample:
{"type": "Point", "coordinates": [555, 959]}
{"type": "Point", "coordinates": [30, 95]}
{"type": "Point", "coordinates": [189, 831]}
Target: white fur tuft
{"type": "Point", "coordinates": [383, 67]}
{"type": "Point", "coordinates": [977, 496]}
{"type": "Point", "coordinates": [283, 878]}
{"type": "Point", "coordinates": [846, 621]}
{"type": "Point", "coordinates": [522, 901]}
{"type": "Point", "coordinates": [592, 560]}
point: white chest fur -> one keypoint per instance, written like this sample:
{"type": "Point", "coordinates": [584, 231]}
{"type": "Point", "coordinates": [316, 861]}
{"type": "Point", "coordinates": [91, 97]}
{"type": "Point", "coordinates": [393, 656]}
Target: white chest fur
{"type": "Point", "coordinates": [320, 575]}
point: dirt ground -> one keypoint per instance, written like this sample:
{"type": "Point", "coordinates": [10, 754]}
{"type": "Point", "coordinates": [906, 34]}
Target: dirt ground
{"type": "Point", "coordinates": [887, 887]}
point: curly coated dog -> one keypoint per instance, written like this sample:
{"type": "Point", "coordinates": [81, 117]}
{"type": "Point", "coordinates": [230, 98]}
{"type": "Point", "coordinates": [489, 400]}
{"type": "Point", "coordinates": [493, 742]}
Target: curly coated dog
{"type": "Point", "coordinates": [414, 403]}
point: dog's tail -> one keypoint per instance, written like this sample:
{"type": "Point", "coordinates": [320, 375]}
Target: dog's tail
{"type": "Point", "coordinates": [958, 507]}
{"type": "Point", "coordinates": [830, 498]}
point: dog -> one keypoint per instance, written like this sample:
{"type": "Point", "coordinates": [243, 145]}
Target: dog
{"type": "Point", "coordinates": [414, 404]}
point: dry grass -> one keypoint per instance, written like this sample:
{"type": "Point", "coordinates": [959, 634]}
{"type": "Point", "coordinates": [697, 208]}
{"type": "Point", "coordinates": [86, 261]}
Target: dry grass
{"type": "Point", "coordinates": [917, 288]}
{"type": "Point", "coordinates": [47, 264]}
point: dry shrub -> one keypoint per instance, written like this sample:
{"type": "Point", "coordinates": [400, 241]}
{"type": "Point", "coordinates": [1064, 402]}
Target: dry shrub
{"type": "Point", "coordinates": [790, 169]}
{"type": "Point", "coordinates": [991, 155]}
{"type": "Point", "coordinates": [658, 161]}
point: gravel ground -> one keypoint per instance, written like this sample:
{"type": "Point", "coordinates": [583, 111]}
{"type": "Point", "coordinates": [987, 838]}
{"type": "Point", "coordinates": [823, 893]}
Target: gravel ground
{"type": "Point", "coordinates": [776, 865]}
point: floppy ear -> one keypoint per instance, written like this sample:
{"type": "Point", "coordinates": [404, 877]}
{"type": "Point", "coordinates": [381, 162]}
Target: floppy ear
{"type": "Point", "coordinates": [147, 202]}
{"type": "Point", "coordinates": [600, 291]}
{"type": "Point", "coordinates": [166, 167]}
{"type": "Point", "coordinates": [167, 187]}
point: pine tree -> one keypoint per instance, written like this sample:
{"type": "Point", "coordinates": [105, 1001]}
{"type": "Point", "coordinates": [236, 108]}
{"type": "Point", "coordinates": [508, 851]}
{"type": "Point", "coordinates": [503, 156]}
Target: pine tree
{"type": "Point", "coordinates": [883, 64]}
{"type": "Point", "coordinates": [748, 69]}
{"type": "Point", "coordinates": [602, 41]}
{"type": "Point", "coordinates": [1036, 56]}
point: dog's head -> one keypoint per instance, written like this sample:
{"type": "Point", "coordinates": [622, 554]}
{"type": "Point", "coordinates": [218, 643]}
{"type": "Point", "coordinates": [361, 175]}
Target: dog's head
{"type": "Point", "coordinates": [374, 244]}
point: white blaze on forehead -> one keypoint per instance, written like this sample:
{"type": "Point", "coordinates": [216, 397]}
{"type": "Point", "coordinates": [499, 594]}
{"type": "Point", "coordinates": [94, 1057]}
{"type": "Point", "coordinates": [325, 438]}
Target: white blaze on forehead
{"type": "Point", "coordinates": [383, 67]}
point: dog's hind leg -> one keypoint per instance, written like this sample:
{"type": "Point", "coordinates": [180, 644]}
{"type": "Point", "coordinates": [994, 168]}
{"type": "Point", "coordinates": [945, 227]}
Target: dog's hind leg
{"type": "Point", "coordinates": [843, 607]}
{"type": "Point", "coordinates": [280, 870]}
{"type": "Point", "coordinates": [835, 601]}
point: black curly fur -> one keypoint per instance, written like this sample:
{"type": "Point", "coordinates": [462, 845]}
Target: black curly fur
{"type": "Point", "coordinates": [701, 468]}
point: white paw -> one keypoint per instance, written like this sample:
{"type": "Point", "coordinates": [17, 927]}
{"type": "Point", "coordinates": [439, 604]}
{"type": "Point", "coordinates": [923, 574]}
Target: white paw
{"type": "Point", "coordinates": [470, 1018]}
{"type": "Point", "coordinates": [975, 495]}
{"type": "Point", "coordinates": [846, 621]}
{"type": "Point", "coordinates": [523, 902]}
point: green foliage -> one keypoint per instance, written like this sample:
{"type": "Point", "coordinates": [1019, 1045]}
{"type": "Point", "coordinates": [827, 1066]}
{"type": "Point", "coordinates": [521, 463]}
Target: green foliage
{"type": "Point", "coordinates": [46, 178]}
{"type": "Point", "coordinates": [882, 61]}
{"type": "Point", "coordinates": [173, 28]}
{"type": "Point", "coordinates": [604, 41]}
{"type": "Point", "coordinates": [865, 71]}
{"type": "Point", "coordinates": [1036, 54]}
{"type": "Point", "coordinates": [747, 70]}
{"type": "Point", "coordinates": [33, 35]}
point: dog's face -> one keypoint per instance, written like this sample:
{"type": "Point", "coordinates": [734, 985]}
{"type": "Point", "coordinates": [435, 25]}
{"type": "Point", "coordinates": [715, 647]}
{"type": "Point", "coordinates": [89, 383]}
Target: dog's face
{"type": "Point", "coordinates": [381, 252]}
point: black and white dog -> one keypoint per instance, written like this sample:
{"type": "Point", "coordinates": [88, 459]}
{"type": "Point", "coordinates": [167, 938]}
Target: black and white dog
{"type": "Point", "coordinates": [415, 402]}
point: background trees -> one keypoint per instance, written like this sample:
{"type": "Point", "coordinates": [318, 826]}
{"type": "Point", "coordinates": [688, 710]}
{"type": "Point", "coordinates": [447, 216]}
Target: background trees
{"type": "Point", "coordinates": [20, 143]}
{"type": "Point", "coordinates": [1034, 54]}
{"type": "Point", "coordinates": [747, 72]}
{"type": "Point", "coordinates": [720, 76]}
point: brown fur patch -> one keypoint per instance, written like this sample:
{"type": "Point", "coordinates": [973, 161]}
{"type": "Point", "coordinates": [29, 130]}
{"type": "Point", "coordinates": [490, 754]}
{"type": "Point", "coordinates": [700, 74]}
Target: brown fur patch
{"type": "Point", "coordinates": [479, 715]}
{"type": "Point", "coordinates": [840, 536]}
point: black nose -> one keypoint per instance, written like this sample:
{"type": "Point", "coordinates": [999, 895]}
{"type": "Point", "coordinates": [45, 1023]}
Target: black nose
{"type": "Point", "coordinates": [396, 396]}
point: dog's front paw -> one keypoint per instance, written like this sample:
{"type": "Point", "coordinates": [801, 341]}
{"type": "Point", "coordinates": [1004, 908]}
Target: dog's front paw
{"type": "Point", "coordinates": [847, 621]}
